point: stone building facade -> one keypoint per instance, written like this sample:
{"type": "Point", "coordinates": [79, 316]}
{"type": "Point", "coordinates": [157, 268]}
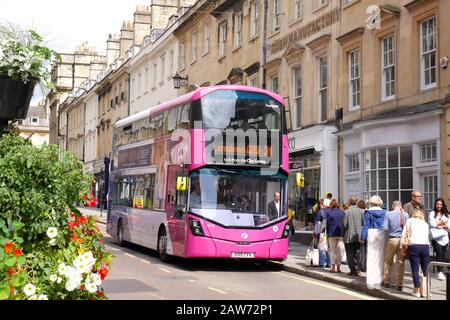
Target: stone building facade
{"type": "Point", "coordinates": [67, 73]}
{"type": "Point", "coordinates": [227, 35]}
{"type": "Point", "coordinates": [36, 125]}
{"type": "Point", "coordinates": [394, 135]}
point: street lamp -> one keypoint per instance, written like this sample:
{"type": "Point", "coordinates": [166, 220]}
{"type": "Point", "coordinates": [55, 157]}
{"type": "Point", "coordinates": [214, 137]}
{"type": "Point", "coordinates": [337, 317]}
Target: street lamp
{"type": "Point", "coordinates": [179, 81]}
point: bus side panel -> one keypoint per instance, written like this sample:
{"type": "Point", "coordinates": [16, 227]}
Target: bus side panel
{"type": "Point", "coordinates": [152, 220]}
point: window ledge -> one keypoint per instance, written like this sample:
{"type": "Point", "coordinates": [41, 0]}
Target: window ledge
{"type": "Point", "coordinates": [429, 87]}
{"type": "Point", "coordinates": [193, 61]}
{"type": "Point", "coordinates": [236, 48]}
{"type": "Point", "coordinates": [252, 38]}
{"type": "Point", "coordinates": [295, 21]}
{"type": "Point", "coordinates": [274, 33]}
{"type": "Point", "coordinates": [351, 109]}
{"type": "Point", "coordinates": [387, 99]}
{"type": "Point", "coordinates": [350, 4]}
{"type": "Point", "coordinates": [205, 53]}
{"type": "Point", "coordinates": [321, 7]}
{"type": "Point", "coordinates": [221, 58]}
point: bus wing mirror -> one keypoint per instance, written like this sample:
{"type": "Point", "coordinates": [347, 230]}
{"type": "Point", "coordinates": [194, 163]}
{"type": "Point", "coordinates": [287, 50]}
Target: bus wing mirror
{"type": "Point", "coordinates": [181, 183]}
{"type": "Point", "coordinates": [300, 179]}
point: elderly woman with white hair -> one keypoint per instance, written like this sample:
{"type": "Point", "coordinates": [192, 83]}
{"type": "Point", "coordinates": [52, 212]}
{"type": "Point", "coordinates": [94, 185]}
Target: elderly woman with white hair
{"type": "Point", "coordinates": [373, 237]}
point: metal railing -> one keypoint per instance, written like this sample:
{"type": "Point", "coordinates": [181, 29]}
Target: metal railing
{"type": "Point", "coordinates": [440, 264]}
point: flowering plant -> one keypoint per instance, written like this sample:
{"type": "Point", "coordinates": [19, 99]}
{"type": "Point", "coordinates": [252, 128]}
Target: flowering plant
{"type": "Point", "coordinates": [23, 56]}
{"type": "Point", "coordinates": [48, 249]}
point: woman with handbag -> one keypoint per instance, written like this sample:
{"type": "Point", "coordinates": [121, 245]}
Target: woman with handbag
{"type": "Point", "coordinates": [415, 240]}
{"type": "Point", "coordinates": [438, 220]}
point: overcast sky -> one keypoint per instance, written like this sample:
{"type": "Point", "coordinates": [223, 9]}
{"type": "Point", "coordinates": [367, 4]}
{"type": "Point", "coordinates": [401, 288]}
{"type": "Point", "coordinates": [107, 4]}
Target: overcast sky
{"type": "Point", "coordinates": [65, 24]}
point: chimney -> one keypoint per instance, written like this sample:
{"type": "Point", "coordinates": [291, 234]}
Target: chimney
{"type": "Point", "coordinates": [142, 24]}
{"type": "Point", "coordinates": [112, 48]}
{"type": "Point", "coordinates": [126, 37]}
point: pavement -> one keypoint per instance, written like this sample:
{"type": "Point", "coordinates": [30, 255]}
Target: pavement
{"type": "Point", "coordinates": [295, 263]}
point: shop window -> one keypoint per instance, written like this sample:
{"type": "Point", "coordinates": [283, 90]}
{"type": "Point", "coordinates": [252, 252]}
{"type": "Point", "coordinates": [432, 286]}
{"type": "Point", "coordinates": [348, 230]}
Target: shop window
{"type": "Point", "coordinates": [430, 191]}
{"type": "Point", "coordinates": [428, 152]}
{"type": "Point", "coordinates": [388, 173]}
{"type": "Point", "coordinates": [353, 163]}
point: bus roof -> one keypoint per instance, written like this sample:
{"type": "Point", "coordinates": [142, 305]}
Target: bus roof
{"type": "Point", "coordinates": [191, 96]}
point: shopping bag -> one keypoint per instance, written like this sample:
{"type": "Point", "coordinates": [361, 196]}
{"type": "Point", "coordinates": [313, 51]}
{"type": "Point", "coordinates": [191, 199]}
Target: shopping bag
{"type": "Point", "coordinates": [323, 242]}
{"type": "Point", "coordinates": [437, 233]}
{"type": "Point", "coordinates": [361, 259]}
{"type": "Point", "coordinates": [423, 286]}
{"type": "Point", "coordinates": [312, 256]}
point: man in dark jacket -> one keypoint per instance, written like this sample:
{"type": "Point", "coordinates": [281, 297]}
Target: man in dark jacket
{"type": "Point", "coordinates": [273, 210]}
{"type": "Point", "coordinates": [353, 220]}
{"type": "Point", "coordinates": [415, 205]}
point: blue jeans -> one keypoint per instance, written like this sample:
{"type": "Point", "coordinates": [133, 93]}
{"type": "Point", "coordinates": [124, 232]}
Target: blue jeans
{"type": "Point", "coordinates": [324, 258]}
{"type": "Point", "coordinates": [418, 255]}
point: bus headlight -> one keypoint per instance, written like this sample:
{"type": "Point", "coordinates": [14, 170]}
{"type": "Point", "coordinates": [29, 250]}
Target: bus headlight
{"type": "Point", "coordinates": [287, 229]}
{"type": "Point", "coordinates": [196, 227]}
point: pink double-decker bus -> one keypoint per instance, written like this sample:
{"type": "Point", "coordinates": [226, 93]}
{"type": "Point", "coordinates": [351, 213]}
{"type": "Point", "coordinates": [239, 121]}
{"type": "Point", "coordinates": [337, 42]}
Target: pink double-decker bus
{"type": "Point", "coordinates": [196, 176]}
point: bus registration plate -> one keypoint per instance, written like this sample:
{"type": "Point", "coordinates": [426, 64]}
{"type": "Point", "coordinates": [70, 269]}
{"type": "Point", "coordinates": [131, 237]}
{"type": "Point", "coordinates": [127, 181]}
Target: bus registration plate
{"type": "Point", "coordinates": [242, 254]}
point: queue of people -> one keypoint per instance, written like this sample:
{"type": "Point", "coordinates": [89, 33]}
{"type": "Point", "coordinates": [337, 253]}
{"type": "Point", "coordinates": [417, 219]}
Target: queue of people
{"type": "Point", "coordinates": [380, 236]}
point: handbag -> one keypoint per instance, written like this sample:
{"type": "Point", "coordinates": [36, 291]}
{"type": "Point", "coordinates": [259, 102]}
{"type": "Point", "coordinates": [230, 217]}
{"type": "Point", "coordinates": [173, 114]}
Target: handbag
{"type": "Point", "coordinates": [361, 258]}
{"type": "Point", "coordinates": [405, 242]}
{"type": "Point", "coordinates": [312, 256]}
{"type": "Point", "coordinates": [437, 233]}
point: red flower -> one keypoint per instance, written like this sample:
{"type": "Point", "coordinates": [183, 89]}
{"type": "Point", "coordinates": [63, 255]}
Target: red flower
{"type": "Point", "coordinates": [100, 294]}
{"type": "Point", "coordinates": [75, 237]}
{"type": "Point", "coordinates": [11, 271]}
{"type": "Point", "coordinates": [9, 247]}
{"type": "Point", "coordinates": [17, 252]}
{"type": "Point", "coordinates": [11, 289]}
{"type": "Point", "coordinates": [103, 273]}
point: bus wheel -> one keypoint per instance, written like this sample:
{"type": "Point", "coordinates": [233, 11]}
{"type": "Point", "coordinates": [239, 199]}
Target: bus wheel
{"type": "Point", "coordinates": [162, 246]}
{"type": "Point", "coordinates": [120, 240]}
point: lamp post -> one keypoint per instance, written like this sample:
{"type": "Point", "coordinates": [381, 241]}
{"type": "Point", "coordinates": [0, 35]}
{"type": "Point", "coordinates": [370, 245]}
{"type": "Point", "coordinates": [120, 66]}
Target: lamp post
{"type": "Point", "coordinates": [179, 81]}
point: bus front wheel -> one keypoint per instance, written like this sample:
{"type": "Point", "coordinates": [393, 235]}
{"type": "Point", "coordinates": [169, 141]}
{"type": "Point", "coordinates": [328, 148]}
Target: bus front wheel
{"type": "Point", "coordinates": [162, 246]}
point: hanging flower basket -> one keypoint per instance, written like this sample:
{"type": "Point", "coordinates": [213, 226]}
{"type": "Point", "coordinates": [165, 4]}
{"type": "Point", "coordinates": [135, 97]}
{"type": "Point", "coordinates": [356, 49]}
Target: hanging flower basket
{"type": "Point", "coordinates": [15, 97]}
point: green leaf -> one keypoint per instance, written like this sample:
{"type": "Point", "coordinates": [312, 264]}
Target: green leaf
{"type": "Point", "coordinates": [21, 260]}
{"type": "Point", "coordinates": [2, 254]}
{"type": "Point", "coordinates": [17, 280]}
{"type": "Point", "coordinates": [29, 163]}
{"type": "Point", "coordinates": [18, 240]}
{"type": "Point", "coordinates": [17, 225]}
{"type": "Point", "coordinates": [4, 292]}
{"type": "Point", "coordinates": [10, 261]}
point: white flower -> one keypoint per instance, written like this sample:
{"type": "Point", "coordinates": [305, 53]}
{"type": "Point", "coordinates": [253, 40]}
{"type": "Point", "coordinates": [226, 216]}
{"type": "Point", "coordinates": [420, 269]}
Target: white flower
{"type": "Point", "coordinates": [53, 277]}
{"type": "Point", "coordinates": [52, 242]}
{"type": "Point", "coordinates": [92, 288]}
{"type": "Point", "coordinates": [42, 297]}
{"type": "Point", "coordinates": [29, 289]}
{"type": "Point", "coordinates": [52, 232]}
{"type": "Point", "coordinates": [32, 297]}
{"type": "Point", "coordinates": [59, 280]}
{"type": "Point", "coordinates": [70, 286]}
{"type": "Point", "coordinates": [95, 279]}
{"type": "Point", "coordinates": [62, 269]}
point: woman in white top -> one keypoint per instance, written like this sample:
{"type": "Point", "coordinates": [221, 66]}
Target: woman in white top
{"type": "Point", "coordinates": [438, 218]}
{"type": "Point", "coordinates": [418, 248]}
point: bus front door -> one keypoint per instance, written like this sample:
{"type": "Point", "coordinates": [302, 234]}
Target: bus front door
{"type": "Point", "coordinates": [176, 202]}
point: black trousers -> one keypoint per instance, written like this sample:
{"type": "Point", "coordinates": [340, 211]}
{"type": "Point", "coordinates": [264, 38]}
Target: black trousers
{"type": "Point", "coordinates": [351, 249]}
{"type": "Point", "coordinates": [441, 253]}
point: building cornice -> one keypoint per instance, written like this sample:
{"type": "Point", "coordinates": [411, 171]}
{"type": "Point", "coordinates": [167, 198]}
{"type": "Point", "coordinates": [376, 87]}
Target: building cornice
{"type": "Point", "coordinates": [355, 32]}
